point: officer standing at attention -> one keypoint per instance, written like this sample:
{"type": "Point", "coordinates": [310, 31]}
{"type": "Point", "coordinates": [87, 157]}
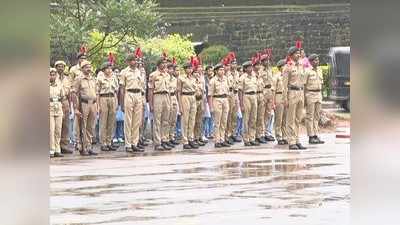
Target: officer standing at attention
{"type": "Point", "coordinates": [131, 100]}
{"type": "Point", "coordinates": [66, 83]}
{"type": "Point", "coordinates": [280, 109]}
{"type": "Point", "coordinates": [260, 130]}
{"type": "Point", "coordinates": [75, 70]}
{"type": "Point", "coordinates": [294, 97]}
{"type": "Point", "coordinates": [269, 92]}
{"type": "Point", "coordinates": [56, 113]}
{"type": "Point", "coordinates": [159, 102]}
{"type": "Point", "coordinates": [313, 95]}
{"type": "Point", "coordinates": [107, 88]}
{"type": "Point", "coordinates": [200, 98]}
{"type": "Point", "coordinates": [218, 92]}
{"type": "Point", "coordinates": [186, 89]}
{"type": "Point", "coordinates": [248, 103]}
{"type": "Point", "coordinates": [234, 106]}
{"type": "Point", "coordinates": [84, 95]}
{"type": "Point", "coordinates": [173, 73]}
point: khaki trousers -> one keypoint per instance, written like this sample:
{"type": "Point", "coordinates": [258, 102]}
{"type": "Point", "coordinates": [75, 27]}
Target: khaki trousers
{"type": "Point", "coordinates": [88, 125]}
{"type": "Point", "coordinates": [221, 108]}
{"type": "Point", "coordinates": [313, 113]}
{"type": "Point", "coordinates": [198, 125]}
{"type": "Point", "coordinates": [188, 117]}
{"type": "Point", "coordinates": [161, 118]}
{"type": "Point", "coordinates": [232, 114]}
{"type": "Point", "coordinates": [268, 110]}
{"type": "Point", "coordinates": [141, 123]}
{"type": "Point", "coordinates": [249, 117]}
{"type": "Point", "coordinates": [133, 104]}
{"type": "Point", "coordinates": [108, 109]}
{"type": "Point", "coordinates": [280, 121]}
{"type": "Point", "coordinates": [55, 132]}
{"type": "Point", "coordinates": [260, 115]}
{"type": "Point", "coordinates": [172, 117]}
{"type": "Point", "coordinates": [65, 125]}
{"type": "Point", "coordinates": [294, 115]}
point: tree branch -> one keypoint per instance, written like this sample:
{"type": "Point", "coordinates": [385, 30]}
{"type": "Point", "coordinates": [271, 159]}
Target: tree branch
{"type": "Point", "coordinates": [79, 12]}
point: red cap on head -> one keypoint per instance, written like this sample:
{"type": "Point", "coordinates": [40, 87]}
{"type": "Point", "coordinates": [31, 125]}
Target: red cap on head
{"type": "Point", "coordinates": [138, 53]}
{"type": "Point", "coordinates": [298, 44]}
{"type": "Point", "coordinates": [83, 49]}
{"type": "Point", "coordinates": [173, 61]}
{"type": "Point", "coordinates": [111, 58]}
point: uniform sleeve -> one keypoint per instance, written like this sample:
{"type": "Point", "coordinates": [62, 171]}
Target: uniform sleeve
{"type": "Point", "coordinates": [98, 85]}
{"type": "Point", "coordinates": [211, 88]}
{"type": "Point", "coordinates": [241, 83]}
{"type": "Point", "coordinates": [285, 82]}
{"type": "Point", "coordinates": [122, 78]}
{"type": "Point", "coordinates": [151, 81]}
{"type": "Point", "coordinates": [76, 85]}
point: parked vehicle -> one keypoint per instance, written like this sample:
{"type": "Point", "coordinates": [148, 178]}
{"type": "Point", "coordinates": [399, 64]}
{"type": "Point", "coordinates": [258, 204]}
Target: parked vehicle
{"type": "Point", "coordinates": [339, 60]}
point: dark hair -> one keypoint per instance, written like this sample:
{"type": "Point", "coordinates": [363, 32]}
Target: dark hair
{"type": "Point", "coordinates": [209, 67]}
{"type": "Point", "coordinates": [159, 62]}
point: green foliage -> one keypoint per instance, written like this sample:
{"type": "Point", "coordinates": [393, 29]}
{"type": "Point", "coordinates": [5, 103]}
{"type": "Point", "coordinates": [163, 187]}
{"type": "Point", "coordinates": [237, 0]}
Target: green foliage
{"type": "Point", "coordinates": [213, 54]}
{"type": "Point", "coordinates": [174, 45]}
{"type": "Point", "coordinates": [326, 86]}
{"type": "Point", "coordinates": [73, 21]}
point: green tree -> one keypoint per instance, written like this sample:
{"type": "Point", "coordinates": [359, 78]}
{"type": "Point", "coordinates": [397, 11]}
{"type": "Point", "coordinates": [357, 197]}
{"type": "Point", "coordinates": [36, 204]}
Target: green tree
{"type": "Point", "coordinates": [213, 54]}
{"type": "Point", "coordinates": [72, 22]}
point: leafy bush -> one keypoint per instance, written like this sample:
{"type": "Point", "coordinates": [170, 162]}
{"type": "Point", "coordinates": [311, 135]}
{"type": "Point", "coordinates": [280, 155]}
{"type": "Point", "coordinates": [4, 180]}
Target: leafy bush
{"type": "Point", "coordinates": [213, 54]}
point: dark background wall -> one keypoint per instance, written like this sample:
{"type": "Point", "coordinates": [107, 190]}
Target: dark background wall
{"type": "Point", "coordinates": [248, 28]}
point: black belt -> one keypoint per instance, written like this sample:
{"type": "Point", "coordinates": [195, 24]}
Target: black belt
{"type": "Point", "coordinates": [161, 93]}
{"type": "Point", "coordinates": [188, 93]}
{"type": "Point", "coordinates": [279, 92]}
{"type": "Point", "coordinates": [134, 90]}
{"type": "Point", "coordinates": [55, 99]}
{"type": "Point", "coordinates": [294, 88]}
{"type": "Point", "coordinates": [268, 86]}
{"type": "Point", "coordinates": [235, 91]}
{"type": "Point", "coordinates": [199, 97]}
{"type": "Point", "coordinates": [107, 95]}
{"type": "Point", "coordinates": [250, 93]}
{"type": "Point", "coordinates": [87, 101]}
{"type": "Point", "coordinates": [220, 96]}
{"type": "Point", "coordinates": [172, 94]}
{"type": "Point", "coordinates": [259, 92]}
{"type": "Point", "coordinates": [315, 90]}
{"type": "Point", "coordinates": [230, 89]}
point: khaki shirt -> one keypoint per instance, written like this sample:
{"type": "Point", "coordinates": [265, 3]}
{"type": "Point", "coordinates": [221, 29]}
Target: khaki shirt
{"type": "Point", "coordinates": [279, 88]}
{"type": "Point", "coordinates": [74, 72]}
{"type": "Point", "coordinates": [106, 85]}
{"type": "Point", "coordinates": [200, 86]}
{"type": "Point", "coordinates": [293, 75]}
{"type": "Point", "coordinates": [172, 84]}
{"type": "Point", "coordinates": [248, 83]}
{"type": "Point", "coordinates": [66, 83]}
{"type": "Point", "coordinates": [56, 96]}
{"type": "Point", "coordinates": [159, 81]}
{"type": "Point", "coordinates": [85, 87]}
{"type": "Point", "coordinates": [188, 83]}
{"type": "Point", "coordinates": [260, 82]}
{"type": "Point", "coordinates": [314, 81]}
{"type": "Point", "coordinates": [231, 81]}
{"type": "Point", "coordinates": [132, 79]}
{"type": "Point", "coordinates": [268, 79]}
{"type": "Point", "coordinates": [218, 86]}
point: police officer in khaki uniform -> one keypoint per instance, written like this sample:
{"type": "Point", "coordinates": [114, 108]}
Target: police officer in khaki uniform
{"type": "Point", "coordinates": [280, 109]}
{"type": "Point", "coordinates": [131, 100]}
{"type": "Point", "coordinates": [66, 83]}
{"type": "Point", "coordinates": [260, 131]}
{"type": "Point", "coordinates": [294, 96]}
{"type": "Point", "coordinates": [107, 88]}
{"type": "Point", "coordinates": [269, 92]}
{"type": "Point", "coordinates": [84, 95]}
{"type": "Point", "coordinates": [173, 72]}
{"type": "Point", "coordinates": [218, 92]}
{"type": "Point", "coordinates": [56, 113]}
{"type": "Point", "coordinates": [75, 70]}
{"type": "Point", "coordinates": [248, 103]}
{"type": "Point", "coordinates": [233, 101]}
{"type": "Point", "coordinates": [159, 102]}
{"type": "Point", "coordinates": [313, 99]}
{"type": "Point", "coordinates": [200, 98]}
{"type": "Point", "coordinates": [186, 89]}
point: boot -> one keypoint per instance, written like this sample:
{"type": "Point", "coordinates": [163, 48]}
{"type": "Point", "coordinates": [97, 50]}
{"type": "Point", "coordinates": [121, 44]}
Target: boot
{"type": "Point", "coordinates": [165, 146]}
{"type": "Point", "coordinates": [57, 154]}
{"type": "Point", "coordinates": [254, 143]}
{"type": "Point", "coordinates": [193, 144]}
{"type": "Point", "coordinates": [269, 138]}
{"type": "Point", "coordinates": [225, 144]}
{"type": "Point", "coordinates": [218, 145]}
{"type": "Point", "coordinates": [281, 142]}
{"type": "Point", "coordinates": [312, 140]}
{"type": "Point", "coordinates": [158, 148]}
{"type": "Point", "coordinates": [262, 140]}
{"type": "Point", "coordinates": [136, 149]}
{"type": "Point", "coordinates": [66, 151]}
{"type": "Point", "coordinates": [104, 148]}
{"type": "Point", "coordinates": [112, 147]}
{"type": "Point", "coordinates": [319, 140]}
{"type": "Point", "coordinates": [200, 143]}
{"type": "Point", "coordinates": [187, 146]}
{"type": "Point", "coordinates": [168, 144]}
{"type": "Point", "coordinates": [247, 144]}
{"type": "Point", "coordinates": [229, 141]}
{"type": "Point", "coordinates": [301, 147]}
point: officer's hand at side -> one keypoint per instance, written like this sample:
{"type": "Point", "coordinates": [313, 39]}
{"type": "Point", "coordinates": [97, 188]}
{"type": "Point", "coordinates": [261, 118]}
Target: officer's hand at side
{"type": "Point", "coordinates": [77, 113]}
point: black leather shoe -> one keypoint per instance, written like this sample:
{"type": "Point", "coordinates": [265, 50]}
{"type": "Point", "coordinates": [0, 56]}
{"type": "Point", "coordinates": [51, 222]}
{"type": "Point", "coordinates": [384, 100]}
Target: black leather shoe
{"type": "Point", "coordinates": [301, 146]}
{"type": "Point", "coordinates": [293, 147]}
{"type": "Point", "coordinates": [174, 142]}
{"type": "Point", "coordinates": [104, 148]}
{"type": "Point", "coordinates": [128, 149]}
{"type": "Point", "coordinates": [143, 143]}
{"type": "Point", "coordinates": [254, 143]}
{"type": "Point", "coordinates": [281, 142]}
{"type": "Point", "coordinates": [319, 140]}
{"type": "Point", "coordinates": [158, 148]}
{"type": "Point", "coordinates": [83, 153]}
{"type": "Point", "coordinates": [237, 139]}
{"type": "Point", "coordinates": [168, 144]}
{"type": "Point", "coordinates": [225, 144]}
{"type": "Point", "coordinates": [285, 141]}
{"type": "Point", "coordinates": [262, 140]}
{"type": "Point", "coordinates": [200, 143]}
{"type": "Point", "coordinates": [57, 154]}
{"type": "Point", "coordinates": [312, 140]}
{"type": "Point", "coordinates": [187, 146]}
{"type": "Point", "coordinates": [204, 141]}
{"type": "Point", "coordinates": [217, 145]}
{"type": "Point", "coordinates": [137, 149]}
{"type": "Point", "coordinates": [113, 147]}
{"type": "Point", "coordinates": [66, 151]}
{"type": "Point", "coordinates": [247, 144]}
{"type": "Point", "coordinates": [193, 145]}
{"type": "Point", "coordinates": [165, 146]}
{"type": "Point", "coordinates": [229, 141]}
{"type": "Point", "coordinates": [91, 152]}
{"type": "Point", "coordinates": [140, 146]}
{"type": "Point", "coordinates": [269, 138]}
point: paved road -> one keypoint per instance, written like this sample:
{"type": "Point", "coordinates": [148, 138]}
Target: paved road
{"type": "Point", "coordinates": [257, 185]}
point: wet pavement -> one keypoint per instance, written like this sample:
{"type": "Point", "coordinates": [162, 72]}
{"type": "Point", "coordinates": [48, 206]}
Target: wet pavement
{"type": "Point", "coordinates": [237, 185]}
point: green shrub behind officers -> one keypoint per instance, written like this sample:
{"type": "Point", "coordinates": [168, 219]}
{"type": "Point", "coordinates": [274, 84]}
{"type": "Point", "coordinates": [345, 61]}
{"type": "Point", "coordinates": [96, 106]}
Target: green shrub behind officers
{"type": "Point", "coordinates": [313, 99]}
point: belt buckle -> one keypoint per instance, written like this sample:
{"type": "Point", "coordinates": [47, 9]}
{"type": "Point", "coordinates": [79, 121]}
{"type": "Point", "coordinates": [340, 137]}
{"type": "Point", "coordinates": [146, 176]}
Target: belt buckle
{"type": "Point", "coordinates": [55, 99]}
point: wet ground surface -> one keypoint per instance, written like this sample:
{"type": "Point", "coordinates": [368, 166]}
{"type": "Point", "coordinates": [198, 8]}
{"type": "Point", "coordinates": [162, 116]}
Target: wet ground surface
{"type": "Point", "coordinates": [237, 185]}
